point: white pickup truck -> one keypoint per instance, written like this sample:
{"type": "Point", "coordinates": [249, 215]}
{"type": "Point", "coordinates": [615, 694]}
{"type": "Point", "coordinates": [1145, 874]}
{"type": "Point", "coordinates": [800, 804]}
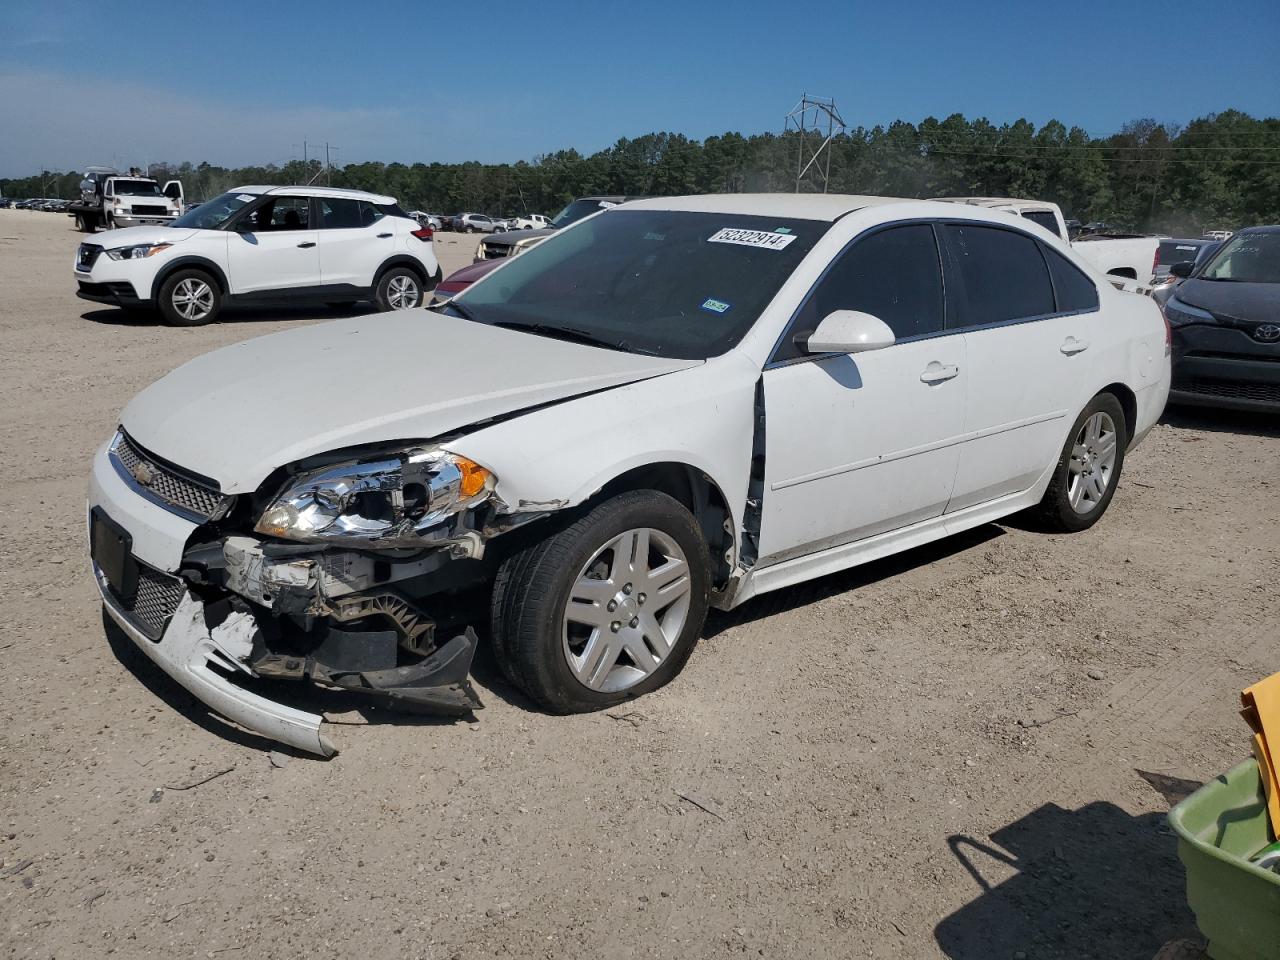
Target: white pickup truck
{"type": "Point", "coordinates": [111, 199]}
{"type": "Point", "coordinates": [1132, 257]}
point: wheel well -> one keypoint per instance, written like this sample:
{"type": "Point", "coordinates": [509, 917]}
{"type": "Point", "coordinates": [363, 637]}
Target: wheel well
{"type": "Point", "coordinates": [700, 496]}
{"type": "Point", "coordinates": [1128, 272]}
{"type": "Point", "coordinates": [1128, 403]}
{"type": "Point", "coordinates": [402, 261]}
{"type": "Point", "coordinates": [188, 264]}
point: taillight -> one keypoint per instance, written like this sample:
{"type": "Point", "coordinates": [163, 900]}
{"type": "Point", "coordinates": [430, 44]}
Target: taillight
{"type": "Point", "coordinates": [1155, 260]}
{"type": "Point", "coordinates": [1168, 331]}
{"type": "Point", "coordinates": [424, 233]}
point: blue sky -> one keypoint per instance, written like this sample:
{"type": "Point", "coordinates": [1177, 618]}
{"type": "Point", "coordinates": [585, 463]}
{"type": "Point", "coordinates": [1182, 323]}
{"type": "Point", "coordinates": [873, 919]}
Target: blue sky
{"type": "Point", "coordinates": [238, 83]}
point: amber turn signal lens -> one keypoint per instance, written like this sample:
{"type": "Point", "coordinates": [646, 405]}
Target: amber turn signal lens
{"type": "Point", "coordinates": [474, 476]}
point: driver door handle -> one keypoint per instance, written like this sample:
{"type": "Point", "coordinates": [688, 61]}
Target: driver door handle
{"type": "Point", "coordinates": [309, 243]}
{"type": "Point", "coordinates": [937, 372]}
{"type": "Point", "coordinates": [383, 236]}
{"type": "Point", "coordinates": [1071, 346]}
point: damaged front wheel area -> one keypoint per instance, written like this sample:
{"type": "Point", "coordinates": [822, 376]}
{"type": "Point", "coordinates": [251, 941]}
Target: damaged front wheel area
{"type": "Point", "coordinates": [606, 609]}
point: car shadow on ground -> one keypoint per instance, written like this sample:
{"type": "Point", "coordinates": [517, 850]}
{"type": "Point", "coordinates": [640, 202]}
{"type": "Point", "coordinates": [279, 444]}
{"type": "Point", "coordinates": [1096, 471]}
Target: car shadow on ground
{"type": "Point", "coordinates": [811, 591]}
{"type": "Point", "coordinates": [1216, 420]}
{"type": "Point", "coordinates": [116, 317]}
{"type": "Point", "coordinates": [1093, 882]}
{"type": "Point", "coordinates": [299, 695]}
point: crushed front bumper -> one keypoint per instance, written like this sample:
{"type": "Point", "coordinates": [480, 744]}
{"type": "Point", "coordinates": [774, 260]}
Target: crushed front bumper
{"type": "Point", "coordinates": [212, 640]}
{"type": "Point", "coordinates": [187, 651]}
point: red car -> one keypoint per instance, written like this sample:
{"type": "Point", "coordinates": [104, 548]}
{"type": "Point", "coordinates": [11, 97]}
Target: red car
{"type": "Point", "coordinates": [459, 280]}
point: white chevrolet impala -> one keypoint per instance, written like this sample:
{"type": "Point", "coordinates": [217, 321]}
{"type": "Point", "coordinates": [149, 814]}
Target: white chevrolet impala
{"type": "Point", "coordinates": [674, 404]}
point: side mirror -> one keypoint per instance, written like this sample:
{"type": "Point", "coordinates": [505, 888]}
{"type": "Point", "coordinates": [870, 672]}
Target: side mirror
{"type": "Point", "coordinates": [1182, 269]}
{"type": "Point", "coordinates": [850, 331]}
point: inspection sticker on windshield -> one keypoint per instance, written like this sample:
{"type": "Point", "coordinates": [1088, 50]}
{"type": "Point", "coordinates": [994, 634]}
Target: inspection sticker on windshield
{"type": "Point", "coordinates": [715, 306]}
{"type": "Point", "coordinates": [245, 197]}
{"type": "Point", "coordinates": [752, 238]}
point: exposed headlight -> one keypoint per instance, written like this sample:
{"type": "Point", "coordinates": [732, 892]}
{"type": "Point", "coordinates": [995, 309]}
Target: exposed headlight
{"type": "Point", "coordinates": [378, 503]}
{"type": "Point", "coordinates": [1180, 314]}
{"type": "Point", "coordinates": [137, 252]}
{"type": "Point", "coordinates": [479, 254]}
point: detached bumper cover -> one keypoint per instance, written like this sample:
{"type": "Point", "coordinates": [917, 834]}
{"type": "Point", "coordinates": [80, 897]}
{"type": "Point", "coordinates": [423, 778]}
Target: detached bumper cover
{"type": "Point", "coordinates": [187, 652]}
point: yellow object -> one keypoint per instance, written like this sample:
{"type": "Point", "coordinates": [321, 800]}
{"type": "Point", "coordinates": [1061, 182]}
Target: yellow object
{"type": "Point", "coordinates": [474, 477]}
{"type": "Point", "coordinates": [1262, 712]}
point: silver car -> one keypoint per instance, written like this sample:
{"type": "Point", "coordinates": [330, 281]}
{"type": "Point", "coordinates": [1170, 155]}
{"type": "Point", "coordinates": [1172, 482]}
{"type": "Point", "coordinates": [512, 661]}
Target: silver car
{"type": "Point", "coordinates": [473, 223]}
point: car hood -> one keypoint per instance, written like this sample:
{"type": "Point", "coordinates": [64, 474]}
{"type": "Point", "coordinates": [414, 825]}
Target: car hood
{"type": "Point", "coordinates": [238, 413]}
{"type": "Point", "coordinates": [1251, 302]}
{"type": "Point", "coordinates": [474, 271]}
{"type": "Point", "coordinates": [132, 236]}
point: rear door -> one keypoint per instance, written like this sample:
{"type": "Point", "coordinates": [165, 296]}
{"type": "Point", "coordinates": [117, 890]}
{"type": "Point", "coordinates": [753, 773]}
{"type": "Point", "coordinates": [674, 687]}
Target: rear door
{"type": "Point", "coordinates": [356, 238]}
{"type": "Point", "coordinates": [1029, 318]}
{"type": "Point", "coordinates": [861, 444]}
{"type": "Point", "coordinates": [274, 248]}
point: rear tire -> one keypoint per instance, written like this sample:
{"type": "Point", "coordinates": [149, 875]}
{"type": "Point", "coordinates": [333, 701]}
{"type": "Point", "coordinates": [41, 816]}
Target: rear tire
{"type": "Point", "coordinates": [400, 289]}
{"type": "Point", "coordinates": [1088, 470]}
{"type": "Point", "coordinates": [189, 298]}
{"type": "Point", "coordinates": [594, 582]}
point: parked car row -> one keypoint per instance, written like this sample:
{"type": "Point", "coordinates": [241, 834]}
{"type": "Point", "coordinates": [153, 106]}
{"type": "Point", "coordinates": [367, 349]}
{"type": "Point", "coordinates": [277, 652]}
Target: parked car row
{"type": "Point", "coordinates": [46, 204]}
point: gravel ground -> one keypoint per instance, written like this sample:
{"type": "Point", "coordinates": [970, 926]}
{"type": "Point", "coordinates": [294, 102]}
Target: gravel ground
{"type": "Point", "coordinates": [937, 755]}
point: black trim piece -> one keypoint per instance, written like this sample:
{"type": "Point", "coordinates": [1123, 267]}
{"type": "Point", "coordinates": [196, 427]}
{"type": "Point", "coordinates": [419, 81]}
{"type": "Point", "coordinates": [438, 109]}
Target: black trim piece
{"type": "Point", "coordinates": [749, 548]}
{"type": "Point", "coordinates": [316, 293]}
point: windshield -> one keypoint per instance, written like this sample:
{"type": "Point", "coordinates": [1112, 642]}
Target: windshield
{"type": "Point", "coordinates": [136, 188]}
{"type": "Point", "coordinates": [661, 282]}
{"type": "Point", "coordinates": [212, 214]}
{"type": "Point", "coordinates": [1247, 258]}
{"type": "Point", "coordinates": [577, 209]}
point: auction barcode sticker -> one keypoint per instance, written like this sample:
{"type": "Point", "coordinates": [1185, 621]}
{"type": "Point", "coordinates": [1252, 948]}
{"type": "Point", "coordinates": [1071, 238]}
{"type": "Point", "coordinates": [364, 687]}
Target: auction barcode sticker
{"type": "Point", "coordinates": [752, 238]}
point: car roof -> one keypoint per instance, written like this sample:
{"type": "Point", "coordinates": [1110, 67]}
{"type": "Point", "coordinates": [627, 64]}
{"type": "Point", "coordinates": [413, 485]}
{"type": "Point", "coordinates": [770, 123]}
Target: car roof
{"type": "Point", "coordinates": [1012, 202]}
{"type": "Point", "coordinates": [800, 206]}
{"type": "Point", "coordinates": [301, 191]}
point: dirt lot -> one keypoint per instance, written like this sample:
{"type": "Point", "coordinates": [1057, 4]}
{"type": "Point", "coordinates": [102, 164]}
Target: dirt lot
{"type": "Point", "coordinates": [937, 755]}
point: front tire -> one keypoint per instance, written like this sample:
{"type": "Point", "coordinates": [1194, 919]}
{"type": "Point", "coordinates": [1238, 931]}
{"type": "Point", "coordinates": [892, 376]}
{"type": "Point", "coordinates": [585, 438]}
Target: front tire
{"type": "Point", "coordinates": [1088, 469]}
{"type": "Point", "coordinates": [606, 609]}
{"type": "Point", "coordinates": [190, 298]}
{"type": "Point", "coordinates": [399, 289]}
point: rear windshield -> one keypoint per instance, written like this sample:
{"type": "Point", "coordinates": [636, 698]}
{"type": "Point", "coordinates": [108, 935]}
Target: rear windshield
{"type": "Point", "coordinates": [1044, 218]}
{"type": "Point", "coordinates": [136, 188]}
{"type": "Point", "coordinates": [1177, 251]}
{"type": "Point", "coordinates": [661, 282]}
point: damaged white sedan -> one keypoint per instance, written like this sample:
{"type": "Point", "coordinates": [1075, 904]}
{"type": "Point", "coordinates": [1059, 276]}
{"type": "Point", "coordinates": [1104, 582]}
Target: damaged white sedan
{"type": "Point", "coordinates": [678, 403]}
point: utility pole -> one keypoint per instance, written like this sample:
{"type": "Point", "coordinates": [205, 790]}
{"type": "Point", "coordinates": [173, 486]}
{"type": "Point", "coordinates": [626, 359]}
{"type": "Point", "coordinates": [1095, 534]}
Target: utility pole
{"type": "Point", "coordinates": [328, 176]}
{"type": "Point", "coordinates": [813, 118]}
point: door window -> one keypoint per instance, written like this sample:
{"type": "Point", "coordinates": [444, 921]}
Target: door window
{"type": "Point", "coordinates": [892, 274]}
{"type": "Point", "coordinates": [1004, 275]}
{"type": "Point", "coordinates": [339, 213]}
{"type": "Point", "coordinates": [282, 213]}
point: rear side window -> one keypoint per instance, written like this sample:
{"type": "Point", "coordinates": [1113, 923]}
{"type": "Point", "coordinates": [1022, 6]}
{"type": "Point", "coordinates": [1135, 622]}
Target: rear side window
{"type": "Point", "coordinates": [1074, 291]}
{"type": "Point", "coordinates": [337, 213]}
{"type": "Point", "coordinates": [893, 274]}
{"type": "Point", "coordinates": [1003, 272]}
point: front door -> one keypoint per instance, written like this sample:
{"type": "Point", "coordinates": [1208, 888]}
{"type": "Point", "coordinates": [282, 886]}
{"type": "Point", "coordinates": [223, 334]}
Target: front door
{"type": "Point", "coordinates": [274, 248]}
{"type": "Point", "coordinates": [861, 444]}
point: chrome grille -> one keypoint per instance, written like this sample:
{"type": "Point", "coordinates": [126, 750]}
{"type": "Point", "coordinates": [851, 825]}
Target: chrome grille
{"type": "Point", "coordinates": [494, 251]}
{"type": "Point", "coordinates": [166, 486]}
{"type": "Point", "coordinates": [153, 603]}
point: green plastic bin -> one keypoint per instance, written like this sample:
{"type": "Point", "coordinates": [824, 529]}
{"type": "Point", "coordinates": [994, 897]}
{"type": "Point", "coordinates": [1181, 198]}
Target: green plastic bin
{"type": "Point", "coordinates": [1237, 905]}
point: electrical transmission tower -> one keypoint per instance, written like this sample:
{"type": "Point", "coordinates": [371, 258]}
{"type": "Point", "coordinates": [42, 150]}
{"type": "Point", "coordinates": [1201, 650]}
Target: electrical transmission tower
{"type": "Point", "coordinates": [815, 120]}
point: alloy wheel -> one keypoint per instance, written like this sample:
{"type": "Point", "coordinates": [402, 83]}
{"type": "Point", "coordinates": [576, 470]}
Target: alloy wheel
{"type": "Point", "coordinates": [626, 610]}
{"type": "Point", "coordinates": [193, 299]}
{"type": "Point", "coordinates": [402, 292]}
{"type": "Point", "coordinates": [1092, 464]}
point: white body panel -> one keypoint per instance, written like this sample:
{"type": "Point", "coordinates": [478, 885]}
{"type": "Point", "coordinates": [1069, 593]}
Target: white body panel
{"type": "Point", "coordinates": [856, 445]}
{"type": "Point", "coordinates": [257, 262]}
{"type": "Point", "coordinates": [352, 255]}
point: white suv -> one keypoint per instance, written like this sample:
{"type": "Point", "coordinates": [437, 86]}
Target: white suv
{"type": "Point", "coordinates": [273, 244]}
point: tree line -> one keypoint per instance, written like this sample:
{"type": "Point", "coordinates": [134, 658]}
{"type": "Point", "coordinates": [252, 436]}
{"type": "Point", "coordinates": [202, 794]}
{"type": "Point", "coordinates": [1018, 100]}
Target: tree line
{"type": "Point", "coordinates": [1219, 171]}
